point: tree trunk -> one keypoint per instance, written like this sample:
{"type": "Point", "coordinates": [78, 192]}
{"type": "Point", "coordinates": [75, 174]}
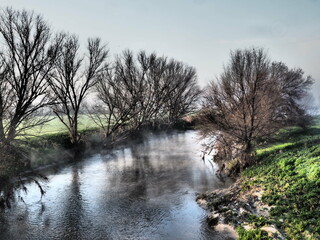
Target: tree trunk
{"type": "Point", "coordinates": [247, 156]}
{"type": "Point", "coordinates": [74, 134]}
{"type": "Point", "coordinates": [11, 133]}
{"type": "Point", "coordinates": [2, 134]}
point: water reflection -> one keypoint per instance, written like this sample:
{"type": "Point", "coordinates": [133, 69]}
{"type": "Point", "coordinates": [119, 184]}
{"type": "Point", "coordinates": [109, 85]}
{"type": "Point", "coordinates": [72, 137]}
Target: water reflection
{"type": "Point", "coordinates": [143, 191]}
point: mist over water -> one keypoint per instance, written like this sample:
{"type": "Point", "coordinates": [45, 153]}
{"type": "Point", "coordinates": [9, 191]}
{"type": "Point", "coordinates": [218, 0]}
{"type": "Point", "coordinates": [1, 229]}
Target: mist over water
{"type": "Point", "coordinates": [145, 190]}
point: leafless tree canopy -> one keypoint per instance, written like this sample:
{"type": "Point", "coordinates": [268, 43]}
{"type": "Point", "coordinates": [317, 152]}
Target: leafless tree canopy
{"type": "Point", "coordinates": [144, 89]}
{"type": "Point", "coordinates": [184, 90]}
{"type": "Point", "coordinates": [252, 98]}
{"type": "Point", "coordinates": [293, 88]}
{"type": "Point", "coordinates": [38, 70]}
{"type": "Point", "coordinates": [73, 76]}
{"type": "Point", "coordinates": [28, 55]}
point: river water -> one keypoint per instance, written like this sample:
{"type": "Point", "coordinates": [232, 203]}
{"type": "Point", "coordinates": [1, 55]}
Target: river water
{"type": "Point", "coordinates": [145, 190]}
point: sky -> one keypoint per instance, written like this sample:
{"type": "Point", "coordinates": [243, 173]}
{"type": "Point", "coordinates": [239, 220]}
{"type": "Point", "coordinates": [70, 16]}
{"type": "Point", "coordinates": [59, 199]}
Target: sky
{"type": "Point", "coordinates": [200, 33]}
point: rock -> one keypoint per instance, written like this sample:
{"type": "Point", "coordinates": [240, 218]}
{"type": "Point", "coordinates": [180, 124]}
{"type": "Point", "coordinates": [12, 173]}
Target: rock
{"type": "Point", "coordinates": [203, 203]}
{"type": "Point", "coordinates": [258, 194]}
{"type": "Point", "coordinates": [230, 217]}
{"type": "Point", "coordinates": [200, 196]}
{"type": "Point", "coordinates": [263, 210]}
{"type": "Point", "coordinates": [242, 211]}
{"type": "Point", "coordinates": [224, 209]}
{"type": "Point", "coordinates": [272, 231]}
{"type": "Point", "coordinates": [248, 208]}
{"type": "Point", "coordinates": [219, 201]}
{"type": "Point", "coordinates": [229, 213]}
{"type": "Point", "coordinates": [231, 207]}
{"type": "Point", "coordinates": [247, 227]}
{"type": "Point", "coordinates": [227, 231]}
{"type": "Point", "coordinates": [213, 219]}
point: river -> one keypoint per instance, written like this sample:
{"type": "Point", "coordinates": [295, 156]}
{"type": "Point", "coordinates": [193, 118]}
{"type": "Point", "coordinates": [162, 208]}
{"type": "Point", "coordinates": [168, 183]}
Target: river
{"type": "Point", "coordinates": [145, 190]}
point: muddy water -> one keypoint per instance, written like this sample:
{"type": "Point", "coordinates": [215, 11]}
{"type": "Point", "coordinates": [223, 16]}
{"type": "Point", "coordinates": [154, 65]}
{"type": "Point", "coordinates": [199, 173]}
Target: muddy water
{"type": "Point", "coordinates": [145, 190]}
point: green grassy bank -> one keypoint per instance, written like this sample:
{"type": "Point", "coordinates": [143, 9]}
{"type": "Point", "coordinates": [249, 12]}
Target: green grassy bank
{"type": "Point", "coordinates": [55, 127]}
{"type": "Point", "coordinates": [49, 143]}
{"type": "Point", "coordinates": [288, 175]}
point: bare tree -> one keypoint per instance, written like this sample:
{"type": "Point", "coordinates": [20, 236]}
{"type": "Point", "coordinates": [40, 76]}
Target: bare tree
{"type": "Point", "coordinates": [117, 101]}
{"type": "Point", "coordinates": [253, 98]}
{"type": "Point", "coordinates": [124, 91]}
{"type": "Point", "coordinates": [155, 88]}
{"type": "Point", "coordinates": [183, 90]}
{"type": "Point", "coordinates": [72, 78]}
{"type": "Point", "coordinates": [142, 90]}
{"type": "Point", "coordinates": [293, 90]}
{"type": "Point", "coordinates": [28, 56]}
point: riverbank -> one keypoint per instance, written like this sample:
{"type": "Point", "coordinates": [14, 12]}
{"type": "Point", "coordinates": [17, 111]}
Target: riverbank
{"type": "Point", "coordinates": [279, 197]}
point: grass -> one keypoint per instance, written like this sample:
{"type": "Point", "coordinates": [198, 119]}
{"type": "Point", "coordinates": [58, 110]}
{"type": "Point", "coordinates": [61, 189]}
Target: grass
{"type": "Point", "coordinates": [47, 143]}
{"type": "Point", "coordinates": [252, 234]}
{"type": "Point", "coordinates": [289, 174]}
{"type": "Point", "coordinates": [273, 148]}
{"type": "Point", "coordinates": [55, 126]}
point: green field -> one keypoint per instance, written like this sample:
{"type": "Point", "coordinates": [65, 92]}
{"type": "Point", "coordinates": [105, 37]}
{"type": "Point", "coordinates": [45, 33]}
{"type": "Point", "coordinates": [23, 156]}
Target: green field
{"type": "Point", "coordinates": [55, 126]}
{"type": "Point", "coordinates": [46, 144]}
{"type": "Point", "coordinates": [289, 174]}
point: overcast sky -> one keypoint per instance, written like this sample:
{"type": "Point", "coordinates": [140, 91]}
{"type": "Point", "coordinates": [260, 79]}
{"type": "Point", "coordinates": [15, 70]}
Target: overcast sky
{"type": "Point", "coordinates": [200, 33]}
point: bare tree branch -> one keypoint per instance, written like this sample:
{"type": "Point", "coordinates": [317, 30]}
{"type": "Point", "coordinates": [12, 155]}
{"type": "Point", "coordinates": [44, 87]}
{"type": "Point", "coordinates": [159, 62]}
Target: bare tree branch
{"type": "Point", "coordinates": [27, 59]}
{"type": "Point", "coordinates": [73, 76]}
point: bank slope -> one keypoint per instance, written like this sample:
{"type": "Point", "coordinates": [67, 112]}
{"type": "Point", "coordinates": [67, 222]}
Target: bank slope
{"type": "Point", "coordinates": [289, 177]}
{"type": "Point", "coordinates": [279, 198]}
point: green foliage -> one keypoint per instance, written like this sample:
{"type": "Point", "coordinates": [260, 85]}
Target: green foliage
{"type": "Point", "coordinates": [272, 148]}
{"type": "Point", "coordinates": [258, 221]}
{"type": "Point", "coordinates": [252, 234]}
{"type": "Point", "coordinates": [289, 173]}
